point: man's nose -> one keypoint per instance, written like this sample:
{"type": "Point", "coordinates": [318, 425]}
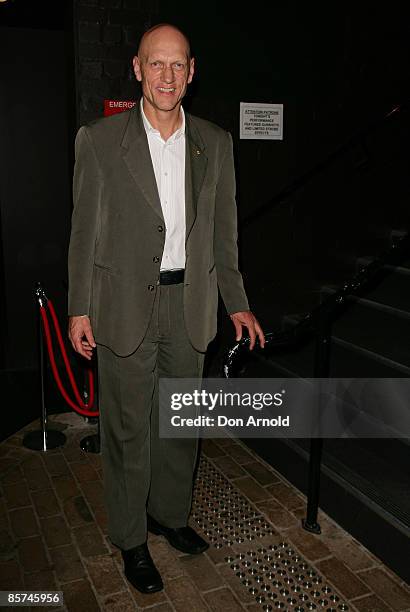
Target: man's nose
{"type": "Point", "coordinates": [168, 74]}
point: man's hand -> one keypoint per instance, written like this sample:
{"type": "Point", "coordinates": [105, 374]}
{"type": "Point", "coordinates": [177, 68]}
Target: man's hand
{"type": "Point", "coordinates": [81, 336]}
{"type": "Point", "coordinates": [247, 319]}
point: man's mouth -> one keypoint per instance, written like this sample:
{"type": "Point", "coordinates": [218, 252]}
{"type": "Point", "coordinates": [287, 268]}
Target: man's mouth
{"type": "Point", "coordinates": [166, 89]}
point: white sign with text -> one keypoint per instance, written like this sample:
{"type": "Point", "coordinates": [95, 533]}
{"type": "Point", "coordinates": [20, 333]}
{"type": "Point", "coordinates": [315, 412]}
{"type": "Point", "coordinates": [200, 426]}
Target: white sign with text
{"type": "Point", "coordinates": [260, 121]}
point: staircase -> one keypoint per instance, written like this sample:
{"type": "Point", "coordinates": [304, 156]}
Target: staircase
{"type": "Point", "coordinates": [365, 482]}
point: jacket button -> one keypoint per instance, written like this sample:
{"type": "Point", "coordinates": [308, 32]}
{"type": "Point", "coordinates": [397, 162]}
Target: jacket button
{"type": "Point", "coordinates": [160, 228]}
{"type": "Point", "coordinates": [155, 259]}
{"type": "Point", "coordinates": [150, 287]}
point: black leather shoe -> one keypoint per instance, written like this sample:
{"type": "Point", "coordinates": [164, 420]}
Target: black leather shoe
{"type": "Point", "coordinates": [140, 571]}
{"type": "Point", "coordinates": [184, 539]}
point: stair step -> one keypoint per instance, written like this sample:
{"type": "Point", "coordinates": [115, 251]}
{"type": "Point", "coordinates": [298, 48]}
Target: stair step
{"type": "Point", "coordinates": [377, 331]}
{"type": "Point", "coordinates": [346, 359]}
{"type": "Point", "coordinates": [391, 291]}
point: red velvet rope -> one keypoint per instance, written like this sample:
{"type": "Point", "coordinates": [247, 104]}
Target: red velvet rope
{"type": "Point", "coordinates": [82, 408]}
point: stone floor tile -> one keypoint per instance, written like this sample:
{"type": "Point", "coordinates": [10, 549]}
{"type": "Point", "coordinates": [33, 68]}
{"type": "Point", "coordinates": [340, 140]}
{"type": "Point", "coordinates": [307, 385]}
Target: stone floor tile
{"type": "Point", "coordinates": [55, 530]}
{"type": "Point", "coordinates": [45, 503]}
{"type": "Point", "coordinates": [6, 464]}
{"type": "Point", "coordinates": [74, 454]}
{"type": "Point", "coordinates": [16, 495]}
{"type": "Point", "coordinates": [261, 473]}
{"type": "Point", "coordinates": [79, 596]}
{"type": "Point", "coordinates": [278, 516]}
{"type": "Point", "coordinates": [104, 575]}
{"type": "Point", "coordinates": [41, 581]}
{"type": "Point", "coordinates": [94, 493]}
{"type": "Point", "coordinates": [89, 540]}
{"type": "Point", "coordinates": [164, 607]}
{"type": "Point", "coordinates": [229, 467]}
{"type": "Point", "coordinates": [38, 479]}
{"type": "Point", "coordinates": [352, 554]}
{"type": "Point", "coordinates": [286, 496]}
{"type": "Point", "coordinates": [211, 449]}
{"type": "Point", "coordinates": [67, 563]}
{"type": "Point", "coordinates": [223, 600]}
{"type": "Point", "coordinates": [371, 603]}
{"type": "Point", "coordinates": [23, 522]}
{"type": "Point", "coordinates": [390, 591]}
{"type": "Point", "coordinates": [32, 464]}
{"type": "Point", "coordinates": [56, 465]}
{"type": "Point", "coordinates": [238, 452]}
{"type": "Point", "coordinates": [202, 572]}
{"type": "Point", "coordinates": [184, 596]}
{"type": "Point", "coordinates": [84, 471]}
{"type": "Point", "coordinates": [11, 578]}
{"type": "Point", "coordinates": [217, 555]}
{"type": "Point", "coordinates": [345, 581]}
{"type": "Point", "coordinates": [166, 558]}
{"type": "Point", "coordinates": [13, 475]}
{"type": "Point", "coordinates": [32, 554]}
{"type": "Point", "coordinates": [251, 489]}
{"type": "Point", "coordinates": [120, 602]}
{"type": "Point", "coordinates": [145, 600]}
{"type": "Point", "coordinates": [8, 545]}
{"type": "Point", "coordinates": [101, 518]}
{"type": "Point", "coordinates": [65, 487]}
{"type": "Point", "coordinates": [77, 511]}
{"type": "Point", "coordinates": [311, 546]}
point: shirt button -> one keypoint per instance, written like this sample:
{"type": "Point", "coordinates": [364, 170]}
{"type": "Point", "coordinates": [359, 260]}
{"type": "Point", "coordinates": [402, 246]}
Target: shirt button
{"type": "Point", "coordinates": [150, 287]}
{"type": "Point", "coordinates": [155, 259]}
{"type": "Point", "coordinates": [160, 228]}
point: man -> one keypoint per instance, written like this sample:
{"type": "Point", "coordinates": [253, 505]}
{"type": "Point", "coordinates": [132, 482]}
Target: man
{"type": "Point", "coordinates": [153, 236]}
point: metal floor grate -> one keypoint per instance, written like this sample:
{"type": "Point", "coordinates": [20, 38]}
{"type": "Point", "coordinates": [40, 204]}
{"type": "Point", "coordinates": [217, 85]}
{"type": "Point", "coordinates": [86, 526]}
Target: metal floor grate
{"type": "Point", "coordinates": [275, 575]}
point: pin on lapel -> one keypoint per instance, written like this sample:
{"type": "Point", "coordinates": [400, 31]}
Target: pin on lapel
{"type": "Point", "coordinates": [198, 152]}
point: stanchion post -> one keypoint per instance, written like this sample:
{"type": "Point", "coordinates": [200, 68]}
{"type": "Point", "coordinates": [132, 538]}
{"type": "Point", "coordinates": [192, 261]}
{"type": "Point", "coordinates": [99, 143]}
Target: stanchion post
{"type": "Point", "coordinates": [45, 438]}
{"type": "Point", "coordinates": [91, 443]}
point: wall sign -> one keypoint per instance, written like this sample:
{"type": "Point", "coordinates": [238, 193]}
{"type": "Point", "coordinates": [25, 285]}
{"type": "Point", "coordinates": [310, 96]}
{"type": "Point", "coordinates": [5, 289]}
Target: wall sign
{"type": "Point", "coordinates": [112, 107]}
{"type": "Point", "coordinates": [261, 121]}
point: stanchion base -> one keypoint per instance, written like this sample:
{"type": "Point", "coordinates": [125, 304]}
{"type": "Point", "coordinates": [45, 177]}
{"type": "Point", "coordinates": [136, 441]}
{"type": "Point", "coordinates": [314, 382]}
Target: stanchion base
{"type": "Point", "coordinates": [311, 527]}
{"type": "Point", "coordinates": [91, 444]}
{"type": "Point", "coordinates": [35, 440]}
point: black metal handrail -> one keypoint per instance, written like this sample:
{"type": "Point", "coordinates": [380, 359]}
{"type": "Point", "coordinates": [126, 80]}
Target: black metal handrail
{"type": "Point", "coordinates": [318, 323]}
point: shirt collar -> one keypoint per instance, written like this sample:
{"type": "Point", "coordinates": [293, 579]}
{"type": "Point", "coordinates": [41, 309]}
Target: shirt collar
{"type": "Point", "coordinates": [151, 130]}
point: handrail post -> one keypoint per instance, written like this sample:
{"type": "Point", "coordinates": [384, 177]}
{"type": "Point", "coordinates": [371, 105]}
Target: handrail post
{"type": "Point", "coordinates": [321, 370]}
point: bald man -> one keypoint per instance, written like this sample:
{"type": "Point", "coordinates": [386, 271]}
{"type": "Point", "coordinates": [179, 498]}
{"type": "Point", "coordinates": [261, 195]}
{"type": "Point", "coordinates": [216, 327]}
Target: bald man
{"type": "Point", "coordinates": [153, 237]}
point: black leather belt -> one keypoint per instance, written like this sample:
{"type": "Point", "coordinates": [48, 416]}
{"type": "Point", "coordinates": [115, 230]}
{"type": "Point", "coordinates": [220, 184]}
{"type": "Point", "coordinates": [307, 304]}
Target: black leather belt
{"type": "Point", "coordinates": [171, 277]}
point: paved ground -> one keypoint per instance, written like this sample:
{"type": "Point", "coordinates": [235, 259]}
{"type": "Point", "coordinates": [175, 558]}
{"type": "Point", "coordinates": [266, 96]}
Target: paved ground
{"type": "Point", "coordinates": [53, 537]}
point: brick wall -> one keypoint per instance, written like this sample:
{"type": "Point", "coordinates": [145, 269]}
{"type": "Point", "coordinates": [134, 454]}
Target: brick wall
{"type": "Point", "coordinates": [106, 37]}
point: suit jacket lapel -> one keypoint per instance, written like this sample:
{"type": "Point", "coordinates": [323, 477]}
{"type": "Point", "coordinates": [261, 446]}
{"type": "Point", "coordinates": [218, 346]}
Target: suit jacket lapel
{"type": "Point", "coordinates": [195, 169]}
{"type": "Point", "coordinates": [138, 159]}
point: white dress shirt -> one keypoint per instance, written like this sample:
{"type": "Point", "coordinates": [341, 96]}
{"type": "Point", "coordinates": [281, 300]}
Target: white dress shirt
{"type": "Point", "coordinates": [168, 160]}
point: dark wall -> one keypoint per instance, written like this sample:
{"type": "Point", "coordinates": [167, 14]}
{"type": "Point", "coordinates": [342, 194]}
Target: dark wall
{"type": "Point", "coordinates": [34, 180]}
{"type": "Point", "coordinates": [336, 72]}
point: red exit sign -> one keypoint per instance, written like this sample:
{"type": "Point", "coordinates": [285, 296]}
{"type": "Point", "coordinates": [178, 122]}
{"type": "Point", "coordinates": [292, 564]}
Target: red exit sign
{"type": "Point", "coordinates": [112, 107]}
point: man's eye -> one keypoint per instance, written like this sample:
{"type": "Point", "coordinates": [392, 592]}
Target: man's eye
{"type": "Point", "coordinates": [156, 64]}
{"type": "Point", "coordinates": [179, 66]}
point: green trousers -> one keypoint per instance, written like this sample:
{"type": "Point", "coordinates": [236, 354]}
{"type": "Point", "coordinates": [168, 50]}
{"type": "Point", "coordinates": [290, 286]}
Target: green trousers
{"type": "Point", "coordinates": [143, 472]}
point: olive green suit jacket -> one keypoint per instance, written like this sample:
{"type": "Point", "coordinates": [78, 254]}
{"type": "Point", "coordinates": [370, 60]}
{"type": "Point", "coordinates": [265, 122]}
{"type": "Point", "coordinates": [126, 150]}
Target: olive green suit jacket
{"type": "Point", "coordinates": [118, 231]}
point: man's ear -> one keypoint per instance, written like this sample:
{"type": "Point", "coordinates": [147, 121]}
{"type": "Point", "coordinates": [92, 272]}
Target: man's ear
{"type": "Point", "coordinates": [137, 68]}
{"type": "Point", "coordinates": [191, 69]}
